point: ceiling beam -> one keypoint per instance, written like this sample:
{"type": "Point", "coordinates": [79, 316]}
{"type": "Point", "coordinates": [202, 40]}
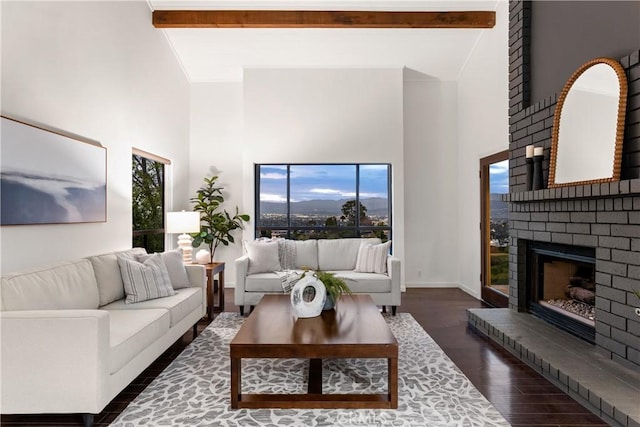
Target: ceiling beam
{"type": "Point", "coordinates": [320, 19]}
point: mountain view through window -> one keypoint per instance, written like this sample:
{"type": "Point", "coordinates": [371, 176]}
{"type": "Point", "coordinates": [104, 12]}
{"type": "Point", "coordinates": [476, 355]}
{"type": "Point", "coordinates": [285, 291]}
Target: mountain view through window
{"type": "Point", "coordinates": [302, 201]}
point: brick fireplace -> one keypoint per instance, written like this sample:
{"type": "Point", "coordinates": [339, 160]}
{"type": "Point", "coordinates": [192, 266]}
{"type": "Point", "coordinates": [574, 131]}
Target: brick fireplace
{"type": "Point", "coordinates": [582, 234]}
{"type": "Point", "coordinates": [603, 217]}
{"type": "Point", "coordinates": [560, 287]}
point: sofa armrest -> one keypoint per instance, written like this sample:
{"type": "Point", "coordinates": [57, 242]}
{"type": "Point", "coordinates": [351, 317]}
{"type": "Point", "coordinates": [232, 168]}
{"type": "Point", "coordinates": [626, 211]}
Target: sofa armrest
{"type": "Point", "coordinates": [242, 267]}
{"type": "Point", "coordinates": [54, 361]}
{"type": "Point", "coordinates": [198, 279]}
{"type": "Point", "coordinates": [394, 270]}
{"type": "Point", "coordinates": [197, 275]}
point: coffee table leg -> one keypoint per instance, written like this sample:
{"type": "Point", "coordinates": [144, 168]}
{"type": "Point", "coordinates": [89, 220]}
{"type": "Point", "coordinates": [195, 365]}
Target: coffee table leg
{"type": "Point", "coordinates": [235, 381]}
{"type": "Point", "coordinates": [392, 368]}
{"type": "Point", "coordinates": [315, 376]}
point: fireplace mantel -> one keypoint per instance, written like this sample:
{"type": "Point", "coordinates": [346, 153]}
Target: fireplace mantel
{"type": "Point", "coordinates": [629, 187]}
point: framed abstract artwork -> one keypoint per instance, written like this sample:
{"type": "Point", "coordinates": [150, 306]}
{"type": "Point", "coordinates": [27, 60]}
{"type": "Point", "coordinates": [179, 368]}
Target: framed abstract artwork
{"type": "Point", "coordinates": [48, 177]}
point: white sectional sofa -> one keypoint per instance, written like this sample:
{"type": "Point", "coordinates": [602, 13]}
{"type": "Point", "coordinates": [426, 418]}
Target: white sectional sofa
{"type": "Point", "coordinates": [70, 343]}
{"type": "Point", "coordinates": [333, 255]}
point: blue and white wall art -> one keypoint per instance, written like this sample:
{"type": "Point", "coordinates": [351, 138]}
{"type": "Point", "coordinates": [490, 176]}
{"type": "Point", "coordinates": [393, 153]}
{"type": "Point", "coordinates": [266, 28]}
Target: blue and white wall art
{"type": "Point", "coordinates": [50, 178]}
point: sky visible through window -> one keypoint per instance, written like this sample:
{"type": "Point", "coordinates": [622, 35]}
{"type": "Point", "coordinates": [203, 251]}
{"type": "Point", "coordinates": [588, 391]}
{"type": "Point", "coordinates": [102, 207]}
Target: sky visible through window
{"type": "Point", "coordinates": [322, 182]}
{"type": "Point", "coordinates": [499, 173]}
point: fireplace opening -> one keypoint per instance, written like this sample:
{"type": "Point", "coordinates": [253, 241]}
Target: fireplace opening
{"type": "Point", "coordinates": [561, 287]}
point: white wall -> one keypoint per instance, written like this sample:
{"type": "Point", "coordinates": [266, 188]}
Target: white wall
{"type": "Point", "coordinates": [430, 156]}
{"type": "Point", "coordinates": [99, 70]}
{"type": "Point", "coordinates": [483, 129]}
{"type": "Point", "coordinates": [216, 148]}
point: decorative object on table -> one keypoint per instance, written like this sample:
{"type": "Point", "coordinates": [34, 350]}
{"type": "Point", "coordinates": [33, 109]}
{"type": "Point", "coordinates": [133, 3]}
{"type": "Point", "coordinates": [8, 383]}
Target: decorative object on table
{"type": "Point", "coordinates": [203, 256]}
{"type": "Point", "coordinates": [183, 222]}
{"type": "Point", "coordinates": [529, 165]}
{"type": "Point", "coordinates": [50, 178]}
{"type": "Point", "coordinates": [308, 297]}
{"type": "Point", "coordinates": [216, 224]}
{"type": "Point", "coordinates": [538, 155]}
{"type": "Point", "coordinates": [335, 287]}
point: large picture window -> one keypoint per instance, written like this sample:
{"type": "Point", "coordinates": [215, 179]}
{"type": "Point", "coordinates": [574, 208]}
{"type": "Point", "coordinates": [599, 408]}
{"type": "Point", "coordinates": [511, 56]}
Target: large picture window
{"type": "Point", "coordinates": [304, 201]}
{"type": "Point", "coordinates": [148, 176]}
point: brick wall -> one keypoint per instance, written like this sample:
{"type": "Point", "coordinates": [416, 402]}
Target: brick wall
{"type": "Point", "coordinates": [604, 216]}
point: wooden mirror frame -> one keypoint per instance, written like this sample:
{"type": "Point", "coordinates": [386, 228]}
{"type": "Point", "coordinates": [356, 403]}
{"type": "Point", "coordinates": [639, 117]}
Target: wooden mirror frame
{"type": "Point", "coordinates": [619, 139]}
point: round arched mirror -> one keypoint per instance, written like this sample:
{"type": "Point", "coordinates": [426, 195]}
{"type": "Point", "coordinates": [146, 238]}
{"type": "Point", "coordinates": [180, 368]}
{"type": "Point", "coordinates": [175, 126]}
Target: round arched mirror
{"type": "Point", "coordinates": [588, 126]}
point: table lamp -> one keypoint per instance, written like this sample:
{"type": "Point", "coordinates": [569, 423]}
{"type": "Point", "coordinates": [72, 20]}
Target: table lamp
{"type": "Point", "coordinates": [184, 222]}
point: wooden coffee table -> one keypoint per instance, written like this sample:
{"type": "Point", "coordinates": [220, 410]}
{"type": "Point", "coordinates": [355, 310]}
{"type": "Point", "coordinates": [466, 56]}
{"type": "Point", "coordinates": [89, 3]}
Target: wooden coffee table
{"type": "Point", "coordinates": [355, 329]}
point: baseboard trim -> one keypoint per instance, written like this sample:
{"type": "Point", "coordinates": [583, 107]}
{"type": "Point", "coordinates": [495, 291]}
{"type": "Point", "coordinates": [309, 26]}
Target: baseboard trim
{"type": "Point", "coordinates": [470, 291]}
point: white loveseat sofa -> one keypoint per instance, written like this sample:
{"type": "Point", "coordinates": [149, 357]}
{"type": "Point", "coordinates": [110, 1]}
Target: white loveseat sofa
{"type": "Point", "coordinates": [70, 343]}
{"type": "Point", "coordinates": [333, 255]}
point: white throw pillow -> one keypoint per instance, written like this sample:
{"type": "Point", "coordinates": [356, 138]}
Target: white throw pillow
{"type": "Point", "coordinates": [263, 257]}
{"type": "Point", "coordinates": [372, 258]}
{"type": "Point", "coordinates": [145, 281]}
{"type": "Point", "coordinates": [175, 267]}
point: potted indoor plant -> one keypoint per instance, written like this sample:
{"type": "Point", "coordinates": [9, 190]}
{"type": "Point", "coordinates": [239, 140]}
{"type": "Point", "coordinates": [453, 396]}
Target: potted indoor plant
{"type": "Point", "coordinates": [216, 224]}
{"type": "Point", "coordinates": [335, 286]}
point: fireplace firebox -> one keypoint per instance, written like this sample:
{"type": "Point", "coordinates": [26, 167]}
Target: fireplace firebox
{"type": "Point", "coordinates": [561, 286]}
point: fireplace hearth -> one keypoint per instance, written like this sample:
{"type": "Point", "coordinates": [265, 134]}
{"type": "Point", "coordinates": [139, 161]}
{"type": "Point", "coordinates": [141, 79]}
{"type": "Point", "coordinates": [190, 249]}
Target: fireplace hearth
{"type": "Point", "coordinates": [561, 286]}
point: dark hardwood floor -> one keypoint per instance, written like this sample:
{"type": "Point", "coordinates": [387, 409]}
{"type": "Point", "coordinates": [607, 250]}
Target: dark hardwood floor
{"type": "Point", "coordinates": [522, 396]}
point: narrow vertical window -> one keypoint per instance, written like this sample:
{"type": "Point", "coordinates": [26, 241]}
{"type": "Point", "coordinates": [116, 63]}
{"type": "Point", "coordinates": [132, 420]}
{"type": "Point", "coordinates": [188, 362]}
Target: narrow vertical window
{"type": "Point", "coordinates": [148, 207]}
{"type": "Point", "coordinates": [494, 182]}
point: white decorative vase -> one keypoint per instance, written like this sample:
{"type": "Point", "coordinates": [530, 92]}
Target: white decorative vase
{"type": "Point", "coordinates": [203, 257]}
{"type": "Point", "coordinates": [308, 297]}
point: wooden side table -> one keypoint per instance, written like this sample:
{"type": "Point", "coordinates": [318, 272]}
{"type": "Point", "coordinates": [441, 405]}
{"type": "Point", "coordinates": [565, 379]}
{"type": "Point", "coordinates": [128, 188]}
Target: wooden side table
{"type": "Point", "coordinates": [213, 269]}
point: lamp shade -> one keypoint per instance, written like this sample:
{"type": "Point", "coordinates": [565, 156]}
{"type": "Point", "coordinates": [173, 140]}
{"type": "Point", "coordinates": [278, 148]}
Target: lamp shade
{"type": "Point", "coordinates": [183, 222]}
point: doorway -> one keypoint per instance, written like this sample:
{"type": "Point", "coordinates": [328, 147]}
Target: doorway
{"type": "Point", "coordinates": [494, 227]}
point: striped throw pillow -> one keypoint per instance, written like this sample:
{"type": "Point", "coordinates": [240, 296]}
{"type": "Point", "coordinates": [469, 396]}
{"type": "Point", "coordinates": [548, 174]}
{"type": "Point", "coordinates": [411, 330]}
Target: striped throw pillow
{"type": "Point", "coordinates": [145, 280]}
{"type": "Point", "coordinates": [372, 258]}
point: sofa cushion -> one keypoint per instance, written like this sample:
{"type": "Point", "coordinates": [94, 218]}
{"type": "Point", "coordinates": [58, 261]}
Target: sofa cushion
{"type": "Point", "coordinates": [68, 285]}
{"type": "Point", "coordinates": [264, 282]}
{"type": "Point", "coordinates": [105, 266]}
{"type": "Point", "coordinates": [372, 258]}
{"type": "Point", "coordinates": [180, 305]}
{"type": "Point", "coordinates": [340, 254]}
{"type": "Point", "coordinates": [357, 282]}
{"type": "Point", "coordinates": [306, 254]}
{"type": "Point", "coordinates": [366, 283]}
{"type": "Point", "coordinates": [145, 280]}
{"type": "Point", "coordinates": [175, 266]}
{"type": "Point", "coordinates": [263, 256]}
{"type": "Point", "coordinates": [131, 331]}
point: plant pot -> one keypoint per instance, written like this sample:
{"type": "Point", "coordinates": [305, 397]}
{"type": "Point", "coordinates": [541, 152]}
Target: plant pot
{"type": "Point", "coordinates": [329, 304]}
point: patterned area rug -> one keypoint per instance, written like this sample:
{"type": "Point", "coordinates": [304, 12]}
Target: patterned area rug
{"type": "Point", "coordinates": [194, 389]}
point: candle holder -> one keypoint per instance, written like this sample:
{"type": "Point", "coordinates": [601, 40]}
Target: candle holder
{"type": "Point", "coordinates": [537, 172]}
{"type": "Point", "coordinates": [529, 164]}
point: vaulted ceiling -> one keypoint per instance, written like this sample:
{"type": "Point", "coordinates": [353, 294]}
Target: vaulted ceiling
{"type": "Point", "coordinates": [220, 54]}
